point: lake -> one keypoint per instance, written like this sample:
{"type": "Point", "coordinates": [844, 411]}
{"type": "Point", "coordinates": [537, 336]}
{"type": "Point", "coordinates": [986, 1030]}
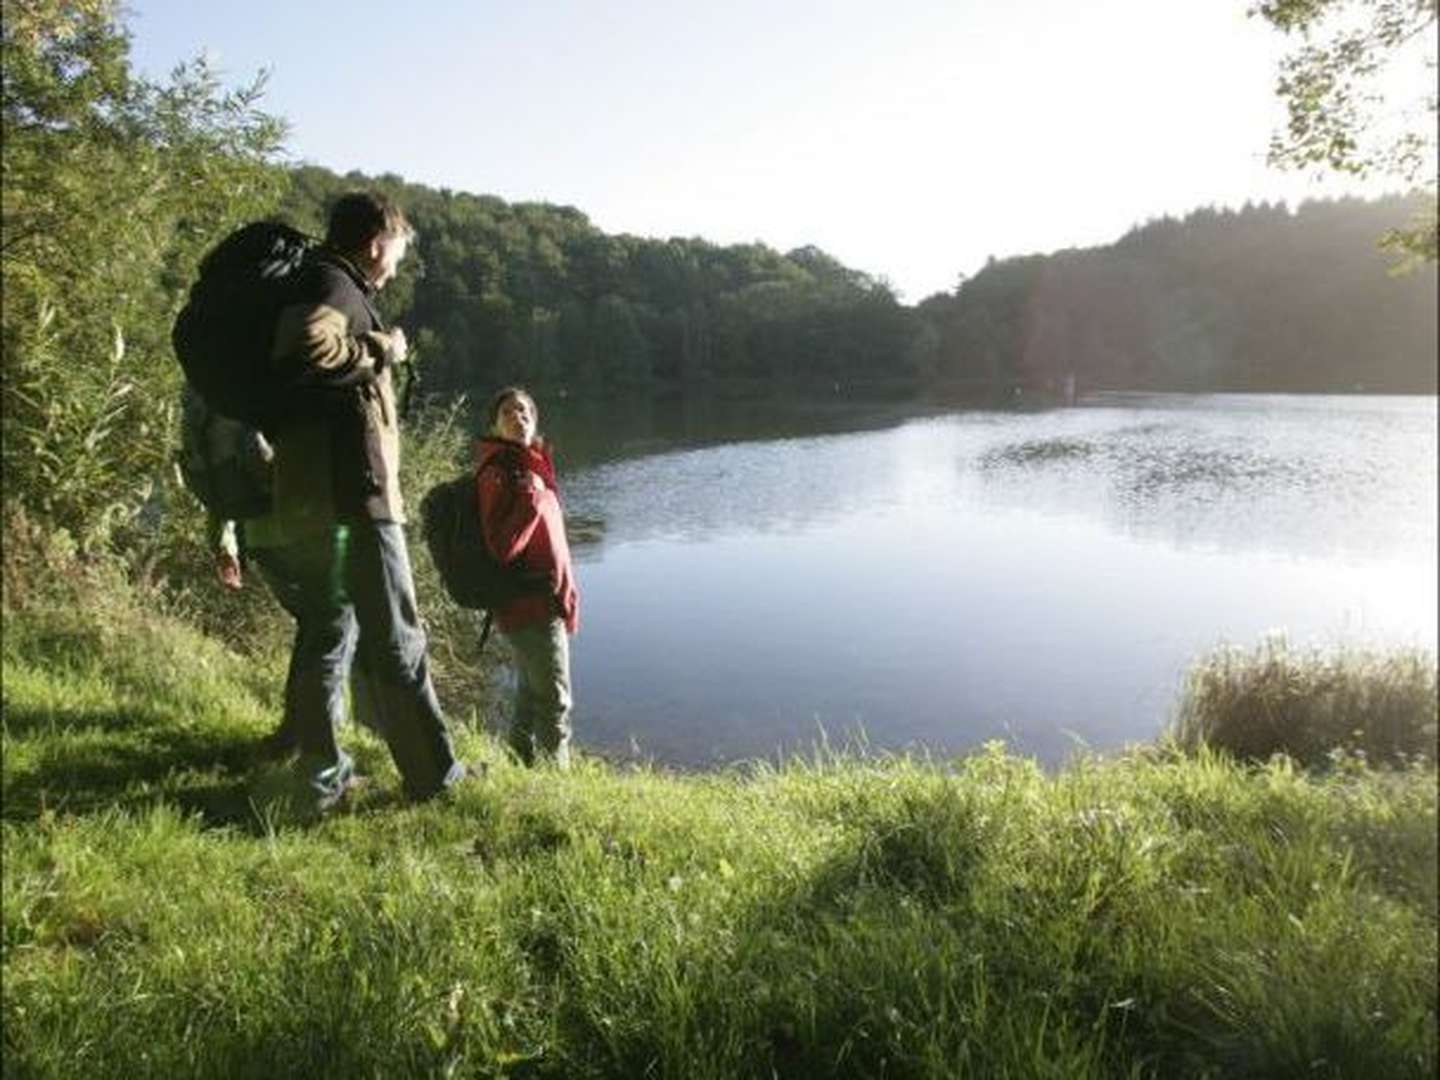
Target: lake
{"type": "Point", "coordinates": [1043, 578]}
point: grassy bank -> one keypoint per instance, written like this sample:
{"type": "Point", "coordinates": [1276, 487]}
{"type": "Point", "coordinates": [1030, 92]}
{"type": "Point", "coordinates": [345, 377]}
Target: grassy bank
{"type": "Point", "coordinates": [1162, 913]}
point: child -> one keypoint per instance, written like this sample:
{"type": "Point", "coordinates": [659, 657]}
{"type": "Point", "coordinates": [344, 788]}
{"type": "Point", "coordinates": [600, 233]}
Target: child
{"type": "Point", "coordinates": [524, 526]}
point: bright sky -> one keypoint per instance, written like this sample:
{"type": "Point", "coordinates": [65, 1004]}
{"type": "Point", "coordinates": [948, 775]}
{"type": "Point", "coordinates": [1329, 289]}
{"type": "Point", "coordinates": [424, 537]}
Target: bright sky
{"type": "Point", "coordinates": [909, 139]}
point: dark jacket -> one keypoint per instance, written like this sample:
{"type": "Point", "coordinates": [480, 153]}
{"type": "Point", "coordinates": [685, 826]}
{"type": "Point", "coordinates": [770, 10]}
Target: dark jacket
{"type": "Point", "coordinates": [524, 526]}
{"type": "Point", "coordinates": [337, 451]}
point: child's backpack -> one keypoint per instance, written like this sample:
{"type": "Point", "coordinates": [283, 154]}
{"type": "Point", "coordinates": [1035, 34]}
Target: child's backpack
{"type": "Point", "coordinates": [473, 578]}
{"type": "Point", "coordinates": [224, 463]}
{"type": "Point", "coordinates": [224, 334]}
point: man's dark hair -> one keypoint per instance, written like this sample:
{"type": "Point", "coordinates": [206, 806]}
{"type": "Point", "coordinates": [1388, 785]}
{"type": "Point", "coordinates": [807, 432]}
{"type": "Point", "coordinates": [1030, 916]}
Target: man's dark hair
{"type": "Point", "coordinates": [360, 216]}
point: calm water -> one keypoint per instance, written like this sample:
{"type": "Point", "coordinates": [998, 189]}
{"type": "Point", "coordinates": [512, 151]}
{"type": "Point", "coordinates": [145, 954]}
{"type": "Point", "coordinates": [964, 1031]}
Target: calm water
{"type": "Point", "coordinates": [1043, 578]}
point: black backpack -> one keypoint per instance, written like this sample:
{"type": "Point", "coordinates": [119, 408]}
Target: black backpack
{"type": "Point", "coordinates": [224, 334]}
{"type": "Point", "coordinates": [225, 463]}
{"type": "Point", "coordinates": [473, 578]}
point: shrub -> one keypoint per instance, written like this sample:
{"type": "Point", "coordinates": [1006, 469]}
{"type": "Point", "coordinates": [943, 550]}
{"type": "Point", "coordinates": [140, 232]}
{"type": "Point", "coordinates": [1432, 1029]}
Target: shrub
{"type": "Point", "coordinates": [114, 186]}
{"type": "Point", "coordinates": [1309, 704]}
{"type": "Point", "coordinates": [437, 448]}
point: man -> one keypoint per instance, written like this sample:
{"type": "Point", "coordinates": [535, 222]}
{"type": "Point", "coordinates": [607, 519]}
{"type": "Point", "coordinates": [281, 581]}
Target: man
{"type": "Point", "coordinates": [231, 541]}
{"type": "Point", "coordinates": [337, 503]}
{"type": "Point", "coordinates": [227, 463]}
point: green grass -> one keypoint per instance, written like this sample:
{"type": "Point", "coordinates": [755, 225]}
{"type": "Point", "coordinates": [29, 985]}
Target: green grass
{"type": "Point", "coordinates": [1160, 913]}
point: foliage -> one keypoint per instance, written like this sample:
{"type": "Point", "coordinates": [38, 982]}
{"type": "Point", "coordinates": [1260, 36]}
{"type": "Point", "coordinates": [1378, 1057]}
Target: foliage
{"type": "Point", "coordinates": [1310, 706]}
{"type": "Point", "coordinates": [437, 448]}
{"type": "Point", "coordinates": [532, 292]}
{"type": "Point", "coordinates": [1157, 914]}
{"type": "Point", "coordinates": [113, 187]}
{"type": "Point", "coordinates": [1334, 90]}
{"type": "Point", "coordinates": [1256, 299]}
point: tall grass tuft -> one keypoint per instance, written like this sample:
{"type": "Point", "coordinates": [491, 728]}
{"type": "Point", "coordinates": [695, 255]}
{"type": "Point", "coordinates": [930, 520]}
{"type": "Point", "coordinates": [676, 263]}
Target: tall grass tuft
{"type": "Point", "coordinates": [1311, 705]}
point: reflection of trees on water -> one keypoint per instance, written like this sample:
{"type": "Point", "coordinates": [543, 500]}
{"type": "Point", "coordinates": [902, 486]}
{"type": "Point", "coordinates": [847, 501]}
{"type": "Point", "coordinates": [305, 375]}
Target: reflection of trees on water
{"type": "Point", "coordinates": [693, 495]}
{"type": "Point", "coordinates": [1300, 480]}
{"type": "Point", "coordinates": [1306, 477]}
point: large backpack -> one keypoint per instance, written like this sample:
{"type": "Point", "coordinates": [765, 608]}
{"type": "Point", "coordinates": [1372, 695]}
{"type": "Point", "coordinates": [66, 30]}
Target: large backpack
{"type": "Point", "coordinates": [225, 463]}
{"type": "Point", "coordinates": [224, 334]}
{"type": "Point", "coordinates": [450, 522]}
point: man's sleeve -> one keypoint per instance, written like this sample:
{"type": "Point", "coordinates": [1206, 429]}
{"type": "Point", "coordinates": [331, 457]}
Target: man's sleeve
{"type": "Point", "coordinates": [314, 344]}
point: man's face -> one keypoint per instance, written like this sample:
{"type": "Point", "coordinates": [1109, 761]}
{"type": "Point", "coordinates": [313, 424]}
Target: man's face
{"type": "Point", "coordinates": [384, 256]}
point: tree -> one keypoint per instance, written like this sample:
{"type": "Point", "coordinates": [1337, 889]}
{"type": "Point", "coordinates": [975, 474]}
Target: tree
{"type": "Point", "coordinates": [113, 187]}
{"type": "Point", "coordinates": [1334, 93]}
{"type": "Point", "coordinates": [1260, 299]}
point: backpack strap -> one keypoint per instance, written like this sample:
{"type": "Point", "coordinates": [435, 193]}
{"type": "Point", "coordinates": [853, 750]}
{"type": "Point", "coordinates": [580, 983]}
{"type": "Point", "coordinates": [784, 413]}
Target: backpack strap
{"type": "Point", "coordinates": [373, 312]}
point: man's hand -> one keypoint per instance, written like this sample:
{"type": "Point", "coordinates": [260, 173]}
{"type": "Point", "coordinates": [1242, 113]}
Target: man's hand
{"type": "Point", "coordinates": [227, 568]}
{"type": "Point", "coordinates": [399, 347]}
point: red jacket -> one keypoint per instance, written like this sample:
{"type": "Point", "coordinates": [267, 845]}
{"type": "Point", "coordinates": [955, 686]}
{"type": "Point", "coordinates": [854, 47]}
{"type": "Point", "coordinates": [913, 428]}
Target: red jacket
{"type": "Point", "coordinates": [523, 523]}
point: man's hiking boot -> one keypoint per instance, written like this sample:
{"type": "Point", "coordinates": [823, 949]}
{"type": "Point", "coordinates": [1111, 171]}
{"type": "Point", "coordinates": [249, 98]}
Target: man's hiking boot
{"type": "Point", "coordinates": [279, 744]}
{"type": "Point", "coordinates": [462, 774]}
{"type": "Point", "coordinates": [338, 794]}
{"type": "Point", "coordinates": [356, 783]}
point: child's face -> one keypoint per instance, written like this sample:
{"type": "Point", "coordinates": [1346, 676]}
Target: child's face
{"type": "Point", "coordinates": [516, 421]}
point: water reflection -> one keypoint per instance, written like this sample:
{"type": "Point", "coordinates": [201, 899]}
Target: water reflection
{"type": "Point", "coordinates": [1301, 476]}
{"type": "Point", "coordinates": [777, 486]}
{"type": "Point", "coordinates": [1043, 578]}
{"type": "Point", "coordinates": [1278, 474]}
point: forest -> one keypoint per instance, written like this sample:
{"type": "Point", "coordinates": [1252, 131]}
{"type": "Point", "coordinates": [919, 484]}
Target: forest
{"type": "Point", "coordinates": [1258, 299]}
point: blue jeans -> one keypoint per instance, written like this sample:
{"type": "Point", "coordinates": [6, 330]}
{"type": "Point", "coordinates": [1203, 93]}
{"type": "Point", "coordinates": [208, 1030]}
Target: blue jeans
{"type": "Point", "coordinates": [356, 597]}
{"type": "Point", "coordinates": [315, 682]}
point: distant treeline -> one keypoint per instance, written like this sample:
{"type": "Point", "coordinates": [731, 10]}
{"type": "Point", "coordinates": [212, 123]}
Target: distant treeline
{"type": "Point", "coordinates": [1260, 299]}
{"type": "Point", "coordinates": [1255, 299]}
{"type": "Point", "coordinates": [531, 291]}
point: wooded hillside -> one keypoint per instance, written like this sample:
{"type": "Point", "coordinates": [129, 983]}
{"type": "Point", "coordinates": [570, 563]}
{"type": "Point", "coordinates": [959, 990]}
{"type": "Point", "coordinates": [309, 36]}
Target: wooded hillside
{"type": "Point", "coordinates": [1257, 299]}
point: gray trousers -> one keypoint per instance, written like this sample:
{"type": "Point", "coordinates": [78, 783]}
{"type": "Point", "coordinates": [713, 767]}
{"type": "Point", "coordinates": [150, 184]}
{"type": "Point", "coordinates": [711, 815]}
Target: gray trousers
{"type": "Point", "coordinates": [540, 725]}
